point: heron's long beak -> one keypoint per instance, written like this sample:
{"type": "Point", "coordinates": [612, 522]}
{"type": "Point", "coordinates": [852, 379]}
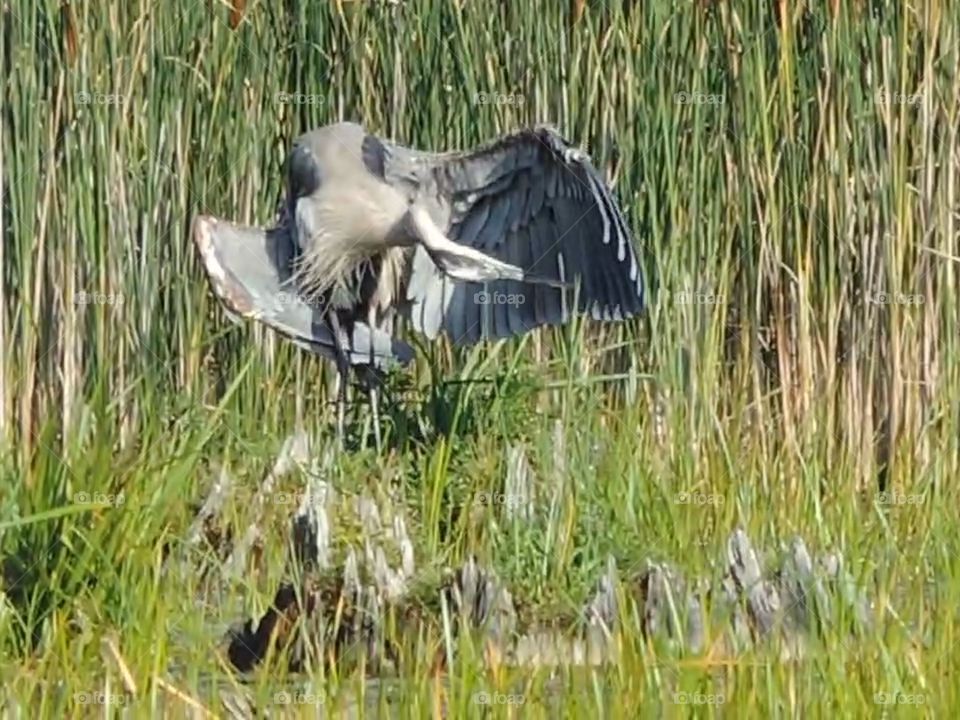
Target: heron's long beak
{"type": "Point", "coordinates": [462, 262]}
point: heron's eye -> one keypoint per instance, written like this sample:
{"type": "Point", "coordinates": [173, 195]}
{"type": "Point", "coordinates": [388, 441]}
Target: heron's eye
{"type": "Point", "coordinates": [304, 176]}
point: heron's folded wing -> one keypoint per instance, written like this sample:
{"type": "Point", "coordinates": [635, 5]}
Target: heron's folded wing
{"type": "Point", "coordinates": [250, 270]}
{"type": "Point", "coordinates": [535, 202]}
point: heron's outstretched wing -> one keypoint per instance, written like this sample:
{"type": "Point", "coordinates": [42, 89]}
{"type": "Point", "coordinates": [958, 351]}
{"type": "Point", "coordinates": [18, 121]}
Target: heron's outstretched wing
{"type": "Point", "coordinates": [250, 270]}
{"type": "Point", "coordinates": [530, 200]}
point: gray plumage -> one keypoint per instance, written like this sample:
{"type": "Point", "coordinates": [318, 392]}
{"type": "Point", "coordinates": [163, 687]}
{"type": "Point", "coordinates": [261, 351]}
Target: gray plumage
{"type": "Point", "coordinates": [482, 244]}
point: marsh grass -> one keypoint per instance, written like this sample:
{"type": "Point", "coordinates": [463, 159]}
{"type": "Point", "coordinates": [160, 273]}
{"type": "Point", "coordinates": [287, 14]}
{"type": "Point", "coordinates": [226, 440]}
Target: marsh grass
{"type": "Point", "coordinates": [791, 175]}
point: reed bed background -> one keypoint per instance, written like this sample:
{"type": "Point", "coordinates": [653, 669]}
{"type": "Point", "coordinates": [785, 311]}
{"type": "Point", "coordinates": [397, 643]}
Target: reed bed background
{"type": "Point", "coordinates": [791, 174]}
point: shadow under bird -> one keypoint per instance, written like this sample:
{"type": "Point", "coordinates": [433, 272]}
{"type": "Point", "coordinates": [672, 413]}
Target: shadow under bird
{"type": "Point", "coordinates": [479, 244]}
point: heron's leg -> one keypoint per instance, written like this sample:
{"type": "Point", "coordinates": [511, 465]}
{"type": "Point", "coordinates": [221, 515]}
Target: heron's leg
{"type": "Point", "coordinates": [373, 382]}
{"type": "Point", "coordinates": [370, 382]}
{"type": "Point", "coordinates": [343, 377]}
{"type": "Point", "coordinates": [375, 410]}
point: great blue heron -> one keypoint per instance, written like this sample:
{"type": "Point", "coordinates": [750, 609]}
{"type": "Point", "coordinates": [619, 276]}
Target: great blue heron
{"type": "Point", "coordinates": [481, 244]}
